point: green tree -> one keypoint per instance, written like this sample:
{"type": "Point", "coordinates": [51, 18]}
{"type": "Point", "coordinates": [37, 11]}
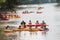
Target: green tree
{"type": "Point", "coordinates": [2, 1]}
{"type": "Point", "coordinates": [58, 1]}
{"type": "Point", "coordinates": [8, 4]}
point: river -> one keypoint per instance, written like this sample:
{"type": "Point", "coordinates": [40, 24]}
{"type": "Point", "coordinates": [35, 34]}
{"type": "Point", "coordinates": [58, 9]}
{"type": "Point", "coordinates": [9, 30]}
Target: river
{"type": "Point", "coordinates": [50, 14]}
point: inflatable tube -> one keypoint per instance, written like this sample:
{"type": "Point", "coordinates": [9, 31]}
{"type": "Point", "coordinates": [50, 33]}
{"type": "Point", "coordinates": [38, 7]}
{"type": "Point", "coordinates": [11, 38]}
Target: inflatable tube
{"type": "Point", "coordinates": [26, 29]}
{"type": "Point", "coordinates": [23, 29]}
{"type": "Point", "coordinates": [15, 30]}
{"type": "Point", "coordinates": [36, 25]}
{"type": "Point", "coordinates": [33, 25]}
{"type": "Point", "coordinates": [33, 30]}
{"type": "Point", "coordinates": [8, 31]}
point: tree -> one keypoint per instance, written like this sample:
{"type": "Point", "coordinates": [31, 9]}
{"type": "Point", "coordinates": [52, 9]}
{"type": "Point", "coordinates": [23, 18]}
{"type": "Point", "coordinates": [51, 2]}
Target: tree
{"type": "Point", "coordinates": [58, 1]}
{"type": "Point", "coordinates": [8, 4]}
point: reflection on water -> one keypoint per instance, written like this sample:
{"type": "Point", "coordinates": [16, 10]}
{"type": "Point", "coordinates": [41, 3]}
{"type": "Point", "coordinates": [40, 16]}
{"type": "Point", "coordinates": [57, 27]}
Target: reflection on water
{"type": "Point", "coordinates": [25, 35]}
{"type": "Point", "coordinates": [10, 36]}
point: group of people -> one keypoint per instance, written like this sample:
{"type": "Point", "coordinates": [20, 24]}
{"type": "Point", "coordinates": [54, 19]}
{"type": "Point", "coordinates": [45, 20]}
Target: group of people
{"type": "Point", "coordinates": [23, 24]}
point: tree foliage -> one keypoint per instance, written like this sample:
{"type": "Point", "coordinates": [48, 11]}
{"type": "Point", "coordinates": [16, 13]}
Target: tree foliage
{"type": "Point", "coordinates": [8, 4]}
{"type": "Point", "coordinates": [58, 1]}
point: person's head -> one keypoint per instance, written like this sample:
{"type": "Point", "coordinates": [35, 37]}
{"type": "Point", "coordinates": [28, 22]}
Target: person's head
{"type": "Point", "coordinates": [43, 21]}
{"type": "Point", "coordinates": [7, 25]}
{"type": "Point", "coordinates": [37, 21]}
{"type": "Point", "coordinates": [29, 20]}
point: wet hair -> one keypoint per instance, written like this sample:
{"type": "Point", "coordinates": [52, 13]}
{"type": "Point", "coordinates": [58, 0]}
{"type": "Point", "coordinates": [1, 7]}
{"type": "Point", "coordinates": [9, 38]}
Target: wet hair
{"type": "Point", "coordinates": [29, 20]}
{"type": "Point", "coordinates": [23, 22]}
{"type": "Point", "coordinates": [43, 22]}
{"type": "Point", "coordinates": [7, 27]}
{"type": "Point", "coordinates": [37, 21]}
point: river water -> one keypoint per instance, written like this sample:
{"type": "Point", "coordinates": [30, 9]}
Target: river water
{"type": "Point", "coordinates": [50, 13]}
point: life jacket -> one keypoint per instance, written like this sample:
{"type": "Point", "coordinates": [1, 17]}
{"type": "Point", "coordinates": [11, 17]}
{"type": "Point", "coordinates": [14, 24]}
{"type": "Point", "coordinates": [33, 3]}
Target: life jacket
{"type": "Point", "coordinates": [30, 23]}
{"type": "Point", "coordinates": [36, 23]}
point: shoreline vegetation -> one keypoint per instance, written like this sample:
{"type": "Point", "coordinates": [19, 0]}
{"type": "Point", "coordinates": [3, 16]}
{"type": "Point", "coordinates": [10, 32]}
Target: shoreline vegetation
{"type": "Point", "coordinates": [6, 7]}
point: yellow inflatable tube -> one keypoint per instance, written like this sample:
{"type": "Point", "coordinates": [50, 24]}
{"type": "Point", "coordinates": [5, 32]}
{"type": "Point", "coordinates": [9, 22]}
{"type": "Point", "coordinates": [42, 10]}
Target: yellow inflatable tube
{"type": "Point", "coordinates": [8, 31]}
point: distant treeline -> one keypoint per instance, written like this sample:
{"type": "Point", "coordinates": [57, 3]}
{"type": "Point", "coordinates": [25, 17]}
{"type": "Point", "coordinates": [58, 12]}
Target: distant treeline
{"type": "Point", "coordinates": [37, 1]}
{"type": "Point", "coordinates": [58, 1]}
{"type": "Point", "coordinates": [11, 4]}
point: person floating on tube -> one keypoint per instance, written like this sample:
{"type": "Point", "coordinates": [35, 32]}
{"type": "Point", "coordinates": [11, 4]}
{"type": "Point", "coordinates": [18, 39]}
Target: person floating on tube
{"type": "Point", "coordinates": [30, 24]}
{"type": "Point", "coordinates": [23, 24]}
{"type": "Point", "coordinates": [43, 25]}
{"type": "Point", "coordinates": [37, 23]}
{"type": "Point", "coordinates": [8, 27]}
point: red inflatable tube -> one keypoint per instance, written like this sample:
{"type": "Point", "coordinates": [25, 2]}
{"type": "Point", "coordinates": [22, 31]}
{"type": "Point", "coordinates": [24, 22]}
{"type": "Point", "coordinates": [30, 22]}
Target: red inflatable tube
{"type": "Point", "coordinates": [35, 25]}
